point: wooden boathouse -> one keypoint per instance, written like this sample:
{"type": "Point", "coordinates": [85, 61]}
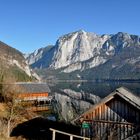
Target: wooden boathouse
{"type": "Point", "coordinates": [36, 94]}
{"type": "Point", "coordinates": [115, 117]}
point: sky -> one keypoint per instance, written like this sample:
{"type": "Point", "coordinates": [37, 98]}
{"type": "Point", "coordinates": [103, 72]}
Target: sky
{"type": "Point", "coordinates": [28, 25]}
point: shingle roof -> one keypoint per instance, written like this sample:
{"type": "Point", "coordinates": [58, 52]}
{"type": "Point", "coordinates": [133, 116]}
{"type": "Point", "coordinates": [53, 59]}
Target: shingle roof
{"type": "Point", "coordinates": [128, 96]}
{"type": "Point", "coordinates": [123, 93]}
{"type": "Point", "coordinates": [33, 87]}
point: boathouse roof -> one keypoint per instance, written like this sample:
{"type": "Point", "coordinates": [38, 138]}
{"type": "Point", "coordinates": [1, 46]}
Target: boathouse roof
{"type": "Point", "coordinates": [125, 94]}
{"type": "Point", "coordinates": [33, 87]}
{"type": "Point", "coordinates": [122, 92]}
{"type": "Point", "coordinates": [128, 96]}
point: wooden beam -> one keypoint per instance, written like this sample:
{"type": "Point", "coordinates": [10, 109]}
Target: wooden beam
{"type": "Point", "coordinates": [112, 122]}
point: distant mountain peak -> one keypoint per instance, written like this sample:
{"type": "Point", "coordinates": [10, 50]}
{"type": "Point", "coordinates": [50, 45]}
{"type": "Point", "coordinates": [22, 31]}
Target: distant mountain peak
{"type": "Point", "coordinates": [81, 31]}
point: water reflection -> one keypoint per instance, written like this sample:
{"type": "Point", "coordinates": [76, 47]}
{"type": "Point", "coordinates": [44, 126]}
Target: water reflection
{"type": "Point", "coordinates": [100, 89]}
{"type": "Point", "coordinates": [72, 99]}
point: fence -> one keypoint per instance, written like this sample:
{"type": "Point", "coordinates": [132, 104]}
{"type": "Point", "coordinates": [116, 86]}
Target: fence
{"type": "Point", "coordinates": [119, 130]}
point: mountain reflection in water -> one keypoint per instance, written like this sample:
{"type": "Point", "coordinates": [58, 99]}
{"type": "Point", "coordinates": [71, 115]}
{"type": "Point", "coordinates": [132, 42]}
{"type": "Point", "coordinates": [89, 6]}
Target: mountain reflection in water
{"type": "Point", "coordinates": [72, 99]}
{"type": "Point", "coordinates": [100, 89]}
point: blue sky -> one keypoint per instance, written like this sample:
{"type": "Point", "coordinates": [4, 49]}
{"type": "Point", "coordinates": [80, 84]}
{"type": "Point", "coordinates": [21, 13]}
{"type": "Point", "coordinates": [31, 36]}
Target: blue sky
{"type": "Point", "coordinates": [30, 24]}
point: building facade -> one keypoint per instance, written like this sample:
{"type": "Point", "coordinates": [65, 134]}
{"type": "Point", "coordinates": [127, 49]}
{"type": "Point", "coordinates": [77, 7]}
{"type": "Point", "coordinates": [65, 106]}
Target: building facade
{"type": "Point", "coordinates": [117, 116]}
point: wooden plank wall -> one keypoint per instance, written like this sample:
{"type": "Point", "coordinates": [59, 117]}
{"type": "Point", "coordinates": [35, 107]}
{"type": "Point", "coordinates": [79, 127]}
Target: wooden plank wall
{"type": "Point", "coordinates": [112, 130]}
{"type": "Point", "coordinates": [33, 96]}
{"type": "Point", "coordinates": [115, 110]}
{"type": "Point", "coordinates": [117, 117]}
{"type": "Point", "coordinates": [23, 95]}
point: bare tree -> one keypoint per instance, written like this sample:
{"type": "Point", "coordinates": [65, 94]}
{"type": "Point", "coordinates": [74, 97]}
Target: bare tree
{"type": "Point", "coordinates": [14, 108]}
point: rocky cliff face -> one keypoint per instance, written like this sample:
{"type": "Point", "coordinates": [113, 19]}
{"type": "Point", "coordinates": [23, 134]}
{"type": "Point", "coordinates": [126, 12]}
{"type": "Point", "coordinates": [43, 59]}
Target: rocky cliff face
{"type": "Point", "coordinates": [71, 50]}
{"type": "Point", "coordinates": [77, 47]}
{"type": "Point", "coordinates": [82, 51]}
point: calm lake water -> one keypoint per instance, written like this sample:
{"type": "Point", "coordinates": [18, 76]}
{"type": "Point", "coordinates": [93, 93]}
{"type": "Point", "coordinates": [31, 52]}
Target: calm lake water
{"type": "Point", "coordinates": [74, 98]}
{"type": "Point", "coordinates": [100, 89]}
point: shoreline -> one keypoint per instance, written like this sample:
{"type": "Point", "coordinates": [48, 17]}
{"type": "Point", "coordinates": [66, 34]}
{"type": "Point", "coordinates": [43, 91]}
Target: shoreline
{"type": "Point", "coordinates": [95, 81]}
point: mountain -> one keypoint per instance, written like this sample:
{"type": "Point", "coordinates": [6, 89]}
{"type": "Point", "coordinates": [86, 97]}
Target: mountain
{"type": "Point", "coordinates": [13, 64]}
{"type": "Point", "coordinates": [90, 56]}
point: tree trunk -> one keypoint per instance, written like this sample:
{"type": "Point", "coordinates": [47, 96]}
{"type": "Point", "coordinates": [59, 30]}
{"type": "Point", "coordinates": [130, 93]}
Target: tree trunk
{"type": "Point", "coordinates": [8, 128]}
{"type": "Point", "coordinates": [9, 122]}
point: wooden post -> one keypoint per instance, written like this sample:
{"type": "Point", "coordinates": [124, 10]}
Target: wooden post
{"type": "Point", "coordinates": [53, 137]}
{"type": "Point", "coordinates": [71, 137]}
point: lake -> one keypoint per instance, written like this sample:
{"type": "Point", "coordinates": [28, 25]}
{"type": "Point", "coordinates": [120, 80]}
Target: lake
{"type": "Point", "coordinates": [73, 98]}
{"type": "Point", "coordinates": [100, 89]}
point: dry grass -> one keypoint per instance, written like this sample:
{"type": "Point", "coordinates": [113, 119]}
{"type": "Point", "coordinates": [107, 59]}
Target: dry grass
{"type": "Point", "coordinates": [2, 137]}
{"type": "Point", "coordinates": [3, 125]}
{"type": "Point", "coordinates": [2, 107]}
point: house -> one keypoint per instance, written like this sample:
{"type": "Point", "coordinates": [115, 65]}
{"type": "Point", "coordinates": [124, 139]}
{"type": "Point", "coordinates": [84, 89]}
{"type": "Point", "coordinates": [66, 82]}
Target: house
{"type": "Point", "coordinates": [34, 93]}
{"type": "Point", "coordinates": [116, 116]}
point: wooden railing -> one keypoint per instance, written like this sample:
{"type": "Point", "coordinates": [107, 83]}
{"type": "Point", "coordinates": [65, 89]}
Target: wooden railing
{"type": "Point", "coordinates": [68, 134]}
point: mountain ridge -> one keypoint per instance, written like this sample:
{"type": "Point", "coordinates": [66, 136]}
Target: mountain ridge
{"type": "Point", "coordinates": [80, 52]}
{"type": "Point", "coordinates": [13, 64]}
